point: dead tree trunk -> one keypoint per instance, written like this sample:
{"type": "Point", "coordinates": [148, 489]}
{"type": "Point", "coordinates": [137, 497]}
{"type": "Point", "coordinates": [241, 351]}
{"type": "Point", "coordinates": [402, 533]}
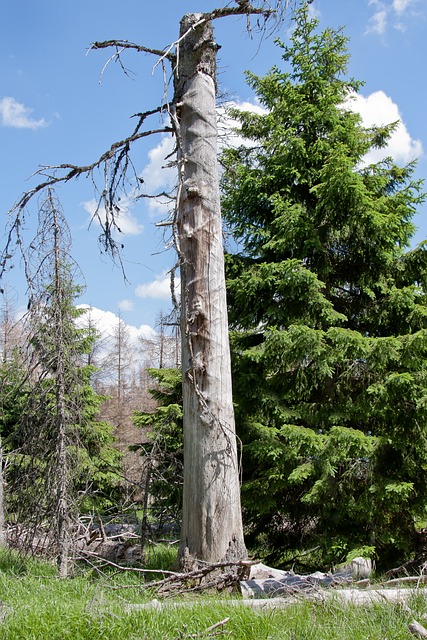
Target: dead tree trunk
{"type": "Point", "coordinates": [212, 524]}
{"type": "Point", "coordinates": [62, 490]}
{"type": "Point", "coordinates": [212, 528]}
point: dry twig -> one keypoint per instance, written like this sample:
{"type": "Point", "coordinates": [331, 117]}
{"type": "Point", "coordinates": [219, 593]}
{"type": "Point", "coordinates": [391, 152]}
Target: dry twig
{"type": "Point", "coordinates": [417, 629]}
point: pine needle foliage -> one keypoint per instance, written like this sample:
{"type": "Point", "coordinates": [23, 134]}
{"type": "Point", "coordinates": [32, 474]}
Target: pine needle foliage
{"type": "Point", "coordinates": [163, 451]}
{"type": "Point", "coordinates": [328, 306]}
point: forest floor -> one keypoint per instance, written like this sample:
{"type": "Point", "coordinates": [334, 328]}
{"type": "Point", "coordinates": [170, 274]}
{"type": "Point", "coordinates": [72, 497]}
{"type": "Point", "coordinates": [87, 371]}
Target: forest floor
{"type": "Point", "coordinates": [106, 604]}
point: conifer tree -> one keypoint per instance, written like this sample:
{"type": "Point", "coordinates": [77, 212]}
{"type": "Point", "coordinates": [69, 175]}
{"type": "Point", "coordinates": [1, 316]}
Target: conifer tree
{"type": "Point", "coordinates": [60, 449]}
{"type": "Point", "coordinates": [328, 304]}
{"type": "Point", "coordinates": [163, 451]}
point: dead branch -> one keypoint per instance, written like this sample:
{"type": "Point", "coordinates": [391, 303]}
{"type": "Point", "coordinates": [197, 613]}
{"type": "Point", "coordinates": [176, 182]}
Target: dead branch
{"type": "Point", "coordinates": [406, 567]}
{"type": "Point", "coordinates": [125, 44]}
{"type": "Point", "coordinates": [421, 579]}
{"type": "Point", "coordinates": [196, 580]}
{"type": "Point", "coordinates": [116, 162]}
{"type": "Point", "coordinates": [74, 171]}
{"type": "Point", "coordinates": [417, 629]}
{"type": "Point", "coordinates": [117, 58]}
{"type": "Point", "coordinates": [208, 632]}
{"type": "Point", "coordinates": [83, 555]}
{"type": "Point", "coordinates": [156, 196]}
{"type": "Point", "coordinates": [213, 576]}
{"type": "Point", "coordinates": [243, 9]}
{"type": "Point", "coordinates": [221, 623]}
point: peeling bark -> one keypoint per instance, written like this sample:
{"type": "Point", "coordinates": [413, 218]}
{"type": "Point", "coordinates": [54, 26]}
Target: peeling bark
{"type": "Point", "coordinates": [212, 523]}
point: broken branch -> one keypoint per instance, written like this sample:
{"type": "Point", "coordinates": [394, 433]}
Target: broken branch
{"type": "Point", "coordinates": [125, 44]}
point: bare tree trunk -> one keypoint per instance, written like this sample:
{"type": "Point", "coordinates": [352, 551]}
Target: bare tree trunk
{"type": "Point", "coordinates": [63, 516]}
{"type": "Point", "coordinates": [212, 524]}
{"type": "Point", "coordinates": [144, 521]}
{"type": "Point", "coordinates": [62, 506]}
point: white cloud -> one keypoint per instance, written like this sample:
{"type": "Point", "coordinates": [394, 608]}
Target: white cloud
{"type": "Point", "coordinates": [391, 11]}
{"type": "Point", "coordinates": [379, 109]}
{"type": "Point", "coordinates": [126, 221]}
{"type": "Point", "coordinates": [158, 177]}
{"type": "Point", "coordinates": [378, 22]}
{"type": "Point", "coordinates": [401, 5]}
{"type": "Point", "coordinates": [228, 134]}
{"type": "Point", "coordinates": [376, 109]}
{"type": "Point", "coordinates": [106, 323]}
{"type": "Point", "coordinates": [17, 115]}
{"type": "Point", "coordinates": [126, 305]}
{"type": "Point", "coordinates": [160, 288]}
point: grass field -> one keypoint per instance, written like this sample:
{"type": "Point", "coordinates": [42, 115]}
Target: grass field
{"type": "Point", "coordinates": [92, 606]}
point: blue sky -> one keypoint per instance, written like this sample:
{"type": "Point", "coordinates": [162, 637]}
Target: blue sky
{"type": "Point", "coordinates": [55, 109]}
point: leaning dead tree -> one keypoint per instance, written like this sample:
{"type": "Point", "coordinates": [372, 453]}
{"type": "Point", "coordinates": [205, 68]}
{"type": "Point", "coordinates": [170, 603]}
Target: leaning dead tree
{"type": "Point", "coordinates": [212, 528]}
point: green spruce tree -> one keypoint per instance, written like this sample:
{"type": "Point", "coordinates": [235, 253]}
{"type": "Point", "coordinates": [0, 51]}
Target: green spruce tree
{"type": "Point", "coordinates": [328, 307]}
{"type": "Point", "coordinates": [163, 450]}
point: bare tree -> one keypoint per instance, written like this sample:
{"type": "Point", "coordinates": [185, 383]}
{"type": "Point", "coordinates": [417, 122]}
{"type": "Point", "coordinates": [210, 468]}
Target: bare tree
{"type": "Point", "coordinates": [212, 524]}
{"type": "Point", "coordinates": [163, 349]}
{"type": "Point", "coordinates": [10, 327]}
{"type": "Point", "coordinates": [122, 359]}
{"type": "Point", "coordinates": [212, 527]}
{"type": "Point", "coordinates": [95, 357]}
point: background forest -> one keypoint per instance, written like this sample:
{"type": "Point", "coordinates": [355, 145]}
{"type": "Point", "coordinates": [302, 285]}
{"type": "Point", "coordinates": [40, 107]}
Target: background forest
{"type": "Point", "coordinates": [327, 306]}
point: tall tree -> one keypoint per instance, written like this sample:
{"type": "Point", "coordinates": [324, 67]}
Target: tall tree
{"type": "Point", "coordinates": [212, 526]}
{"type": "Point", "coordinates": [329, 307]}
{"type": "Point", "coordinates": [211, 521]}
{"type": "Point", "coordinates": [55, 434]}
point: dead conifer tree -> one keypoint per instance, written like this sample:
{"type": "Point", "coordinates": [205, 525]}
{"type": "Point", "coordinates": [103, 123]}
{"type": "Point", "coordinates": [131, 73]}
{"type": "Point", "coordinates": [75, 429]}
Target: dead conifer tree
{"type": "Point", "coordinates": [212, 528]}
{"type": "Point", "coordinates": [212, 523]}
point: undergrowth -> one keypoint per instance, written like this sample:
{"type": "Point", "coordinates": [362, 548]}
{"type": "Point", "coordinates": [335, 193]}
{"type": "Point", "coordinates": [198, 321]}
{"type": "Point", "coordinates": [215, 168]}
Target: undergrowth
{"type": "Point", "coordinates": [98, 604]}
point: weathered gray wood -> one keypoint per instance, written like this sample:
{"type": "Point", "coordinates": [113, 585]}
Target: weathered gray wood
{"type": "Point", "coordinates": [356, 597]}
{"type": "Point", "coordinates": [417, 629]}
{"type": "Point", "coordinates": [212, 524]}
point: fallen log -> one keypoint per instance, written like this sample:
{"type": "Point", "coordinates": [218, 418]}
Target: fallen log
{"type": "Point", "coordinates": [347, 597]}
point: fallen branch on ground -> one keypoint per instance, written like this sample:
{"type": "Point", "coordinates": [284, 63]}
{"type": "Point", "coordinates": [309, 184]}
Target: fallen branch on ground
{"type": "Point", "coordinates": [219, 576]}
{"type": "Point", "coordinates": [353, 597]}
{"type": "Point", "coordinates": [421, 579]}
{"type": "Point", "coordinates": [84, 555]}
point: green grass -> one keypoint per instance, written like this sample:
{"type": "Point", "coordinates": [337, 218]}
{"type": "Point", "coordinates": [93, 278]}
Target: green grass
{"type": "Point", "coordinates": [161, 556]}
{"type": "Point", "coordinates": [92, 606]}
